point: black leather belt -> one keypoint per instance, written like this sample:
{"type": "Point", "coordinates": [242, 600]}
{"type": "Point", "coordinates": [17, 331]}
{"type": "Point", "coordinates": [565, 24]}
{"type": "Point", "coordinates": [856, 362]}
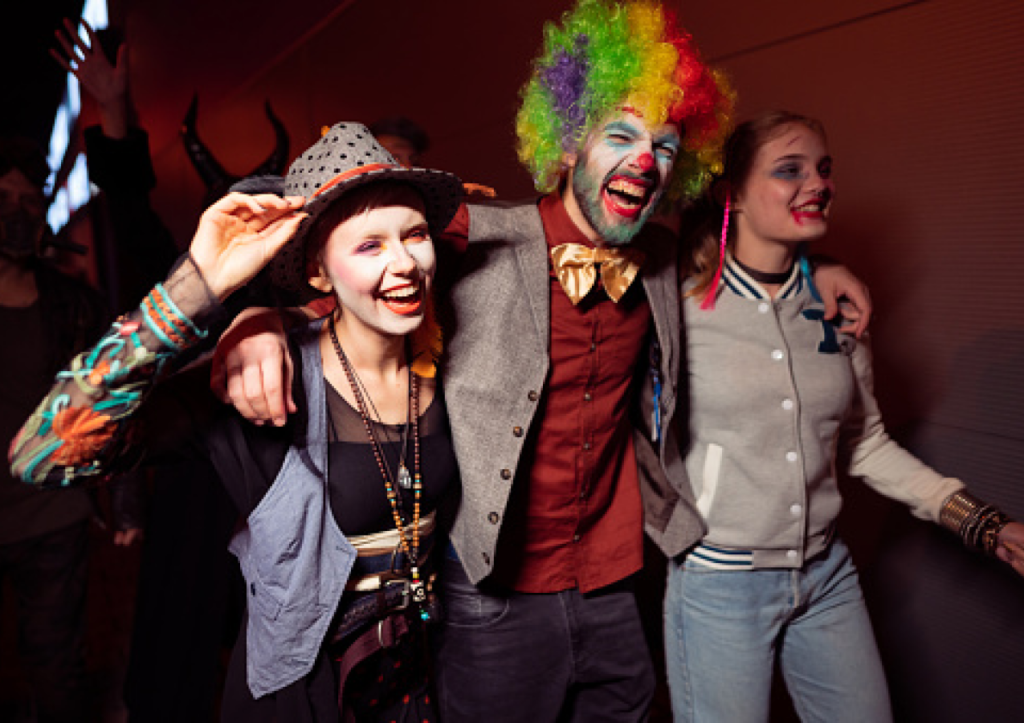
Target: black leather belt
{"type": "Point", "coordinates": [393, 597]}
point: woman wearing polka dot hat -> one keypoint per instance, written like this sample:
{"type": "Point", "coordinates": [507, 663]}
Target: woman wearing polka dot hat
{"type": "Point", "coordinates": [339, 505]}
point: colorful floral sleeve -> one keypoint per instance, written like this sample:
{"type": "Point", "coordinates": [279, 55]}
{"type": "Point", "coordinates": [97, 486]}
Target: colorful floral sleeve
{"type": "Point", "coordinates": [81, 428]}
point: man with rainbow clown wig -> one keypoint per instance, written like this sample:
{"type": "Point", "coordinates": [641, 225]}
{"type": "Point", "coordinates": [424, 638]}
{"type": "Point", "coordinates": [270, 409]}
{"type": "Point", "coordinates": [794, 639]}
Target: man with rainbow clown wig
{"type": "Point", "coordinates": [560, 368]}
{"type": "Point", "coordinates": [572, 302]}
{"type": "Point", "coordinates": [561, 375]}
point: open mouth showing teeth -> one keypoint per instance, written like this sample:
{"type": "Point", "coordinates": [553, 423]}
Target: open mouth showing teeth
{"type": "Point", "coordinates": [406, 300]}
{"type": "Point", "coordinates": [628, 194]}
{"type": "Point", "coordinates": [405, 293]}
{"type": "Point", "coordinates": [813, 207]}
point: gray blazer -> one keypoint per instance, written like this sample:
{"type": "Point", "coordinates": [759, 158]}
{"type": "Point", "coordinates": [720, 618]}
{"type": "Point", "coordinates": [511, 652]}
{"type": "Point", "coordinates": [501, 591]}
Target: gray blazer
{"type": "Point", "coordinates": [497, 327]}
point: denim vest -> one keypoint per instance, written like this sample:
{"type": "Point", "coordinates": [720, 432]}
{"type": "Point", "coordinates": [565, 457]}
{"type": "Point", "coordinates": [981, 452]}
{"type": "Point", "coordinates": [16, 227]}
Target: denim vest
{"type": "Point", "coordinates": [294, 558]}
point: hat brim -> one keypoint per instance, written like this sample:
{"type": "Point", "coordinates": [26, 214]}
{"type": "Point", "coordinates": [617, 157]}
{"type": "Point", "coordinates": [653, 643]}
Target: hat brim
{"type": "Point", "coordinates": [442, 194]}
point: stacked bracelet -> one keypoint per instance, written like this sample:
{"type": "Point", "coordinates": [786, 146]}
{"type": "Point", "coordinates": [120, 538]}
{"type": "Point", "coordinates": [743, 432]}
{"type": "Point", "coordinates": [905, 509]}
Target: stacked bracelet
{"type": "Point", "coordinates": [167, 322]}
{"type": "Point", "coordinates": [978, 524]}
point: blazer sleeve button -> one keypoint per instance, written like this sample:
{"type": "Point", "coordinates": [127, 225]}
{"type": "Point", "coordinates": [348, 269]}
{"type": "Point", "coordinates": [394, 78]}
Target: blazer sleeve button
{"type": "Point", "coordinates": [506, 474]}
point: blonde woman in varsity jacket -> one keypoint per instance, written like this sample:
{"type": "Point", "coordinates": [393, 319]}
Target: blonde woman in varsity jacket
{"type": "Point", "coordinates": [775, 393]}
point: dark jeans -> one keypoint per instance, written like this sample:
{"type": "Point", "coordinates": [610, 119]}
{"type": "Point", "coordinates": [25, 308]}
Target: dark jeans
{"type": "Point", "coordinates": [48, 574]}
{"type": "Point", "coordinates": [566, 656]}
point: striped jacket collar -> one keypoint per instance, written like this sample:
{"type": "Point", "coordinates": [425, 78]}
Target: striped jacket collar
{"type": "Point", "coordinates": [740, 283]}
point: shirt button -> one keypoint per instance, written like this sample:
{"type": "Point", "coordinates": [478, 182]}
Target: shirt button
{"type": "Point", "coordinates": [791, 456]}
{"type": "Point", "coordinates": [791, 554]}
{"type": "Point", "coordinates": [493, 518]}
{"type": "Point", "coordinates": [532, 396]}
{"type": "Point", "coordinates": [763, 307]}
{"type": "Point", "coordinates": [796, 510]}
{"type": "Point", "coordinates": [777, 354]}
{"type": "Point", "coordinates": [593, 346]}
{"type": "Point", "coordinates": [517, 431]}
{"type": "Point", "coordinates": [506, 474]}
{"type": "Point", "coordinates": [787, 404]}
{"type": "Point", "coordinates": [586, 446]}
{"type": "Point", "coordinates": [587, 397]}
{"type": "Point", "coordinates": [576, 538]}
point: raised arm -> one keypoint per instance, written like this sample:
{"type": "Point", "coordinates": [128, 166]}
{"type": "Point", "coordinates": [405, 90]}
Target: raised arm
{"type": "Point", "coordinates": [106, 83]}
{"type": "Point", "coordinates": [80, 427]}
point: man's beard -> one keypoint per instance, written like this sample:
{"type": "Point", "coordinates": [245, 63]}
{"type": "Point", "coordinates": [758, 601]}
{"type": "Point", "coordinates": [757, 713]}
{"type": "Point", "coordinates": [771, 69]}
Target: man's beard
{"type": "Point", "coordinates": [590, 199]}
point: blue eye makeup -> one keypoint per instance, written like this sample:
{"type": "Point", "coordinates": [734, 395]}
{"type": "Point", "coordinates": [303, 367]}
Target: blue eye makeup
{"type": "Point", "coordinates": [789, 172]}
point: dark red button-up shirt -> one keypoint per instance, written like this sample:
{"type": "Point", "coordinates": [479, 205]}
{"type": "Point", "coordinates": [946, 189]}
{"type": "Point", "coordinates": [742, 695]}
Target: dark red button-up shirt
{"type": "Point", "coordinates": [574, 519]}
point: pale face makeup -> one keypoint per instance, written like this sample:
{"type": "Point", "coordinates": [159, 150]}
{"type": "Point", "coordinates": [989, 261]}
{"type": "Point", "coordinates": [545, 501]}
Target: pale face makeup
{"type": "Point", "coordinates": [787, 197]}
{"type": "Point", "coordinates": [619, 175]}
{"type": "Point", "coordinates": [380, 264]}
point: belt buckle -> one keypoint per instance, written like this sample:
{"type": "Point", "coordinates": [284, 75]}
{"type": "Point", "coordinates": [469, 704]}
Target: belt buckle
{"type": "Point", "coordinates": [406, 592]}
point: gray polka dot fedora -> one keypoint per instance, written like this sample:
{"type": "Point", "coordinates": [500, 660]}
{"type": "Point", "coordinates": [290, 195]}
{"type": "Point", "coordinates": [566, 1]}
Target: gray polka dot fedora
{"type": "Point", "coordinates": [348, 156]}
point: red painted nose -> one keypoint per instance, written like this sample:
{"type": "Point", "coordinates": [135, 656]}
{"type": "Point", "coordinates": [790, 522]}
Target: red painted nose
{"type": "Point", "coordinates": [645, 161]}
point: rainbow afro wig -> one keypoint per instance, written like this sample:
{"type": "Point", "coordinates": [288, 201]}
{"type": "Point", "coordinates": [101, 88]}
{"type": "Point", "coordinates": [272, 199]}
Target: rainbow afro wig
{"type": "Point", "coordinates": [610, 55]}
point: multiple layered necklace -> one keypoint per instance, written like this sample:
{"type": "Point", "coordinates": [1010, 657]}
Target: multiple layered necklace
{"type": "Point", "coordinates": [417, 587]}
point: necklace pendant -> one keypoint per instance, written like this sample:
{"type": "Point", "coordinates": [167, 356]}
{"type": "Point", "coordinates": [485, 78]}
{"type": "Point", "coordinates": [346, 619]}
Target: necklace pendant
{"type": "Point", "coordinates": [418, 591]}
{"type": "Point", "coordinates": [404, 478]}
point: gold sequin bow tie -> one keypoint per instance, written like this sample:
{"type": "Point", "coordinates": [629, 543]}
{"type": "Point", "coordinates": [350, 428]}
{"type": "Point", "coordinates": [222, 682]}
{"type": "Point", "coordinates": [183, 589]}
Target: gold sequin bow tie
{"type": "Point", "coordinates": [577, 272]}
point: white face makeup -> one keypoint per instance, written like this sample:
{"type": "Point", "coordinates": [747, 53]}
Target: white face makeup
{"type": "Point", "coordinates": [380, 265]}
{"type": "Point", "coordinates": [788, 194]}
{"type": "Point", "coordinates": [619, 175]}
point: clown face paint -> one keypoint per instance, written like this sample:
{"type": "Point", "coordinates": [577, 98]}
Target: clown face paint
{"type": "Point", "coordinates": [619, 175]}
{"type": "Point", "coordinates": [380, 264]}
{"type": "Point", "coordinates": [788, 194]}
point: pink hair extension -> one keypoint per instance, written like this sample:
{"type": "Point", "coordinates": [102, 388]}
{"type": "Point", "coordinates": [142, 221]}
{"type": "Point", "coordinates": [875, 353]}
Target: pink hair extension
{"type": "Point", "coordinates": [709, 298]}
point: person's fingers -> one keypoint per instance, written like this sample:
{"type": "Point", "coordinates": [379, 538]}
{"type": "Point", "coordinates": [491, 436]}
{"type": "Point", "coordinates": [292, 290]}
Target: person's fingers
{"type": "Point", "coordinates": [237, 204]}
{"type": "Point", "coordinates": [289, 374]}
{"type": "Point", "coordinates": [61, 61]}
{"type": "Point", "coordinates": [252, 382]}
{"type": "Point", "coordinates": [73, 34]}
{"type": "Point", "coordinates": [1013, 549]}
{"type": "Point", "coordinates": [831, 305]}
{"type": "Point", "coordinates": [94, 41]}
{"type": "Point", "coordinates": [854, 322]}
{"type": "Point", "coordinates": [65, 43]}
{"type": "Point", "coordinates": [273, 375]}
{"type": "Point", "coordinates": [274, 209]}
{"type": "Point", "coordinates": [278, 233]}
{"type": "Point", "coordinates": [236, 394]}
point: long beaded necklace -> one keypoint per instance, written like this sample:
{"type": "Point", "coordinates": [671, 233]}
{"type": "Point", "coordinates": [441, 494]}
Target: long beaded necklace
{"type": "Point", "coordinates": [417, 587]}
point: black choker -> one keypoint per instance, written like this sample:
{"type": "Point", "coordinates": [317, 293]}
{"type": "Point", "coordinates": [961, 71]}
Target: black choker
{"type": "Point", "coordinates": [764, 277]}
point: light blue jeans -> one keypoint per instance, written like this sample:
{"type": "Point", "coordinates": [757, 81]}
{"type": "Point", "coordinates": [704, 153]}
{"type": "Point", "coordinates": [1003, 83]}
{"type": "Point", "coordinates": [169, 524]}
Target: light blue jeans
{"type": "Point", "coordinates": [724, 630]}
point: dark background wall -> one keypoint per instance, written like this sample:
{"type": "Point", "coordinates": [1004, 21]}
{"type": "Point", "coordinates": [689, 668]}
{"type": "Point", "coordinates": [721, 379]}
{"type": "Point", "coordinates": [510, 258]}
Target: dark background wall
{"type": "Point", "coordinates": [924, 105]}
